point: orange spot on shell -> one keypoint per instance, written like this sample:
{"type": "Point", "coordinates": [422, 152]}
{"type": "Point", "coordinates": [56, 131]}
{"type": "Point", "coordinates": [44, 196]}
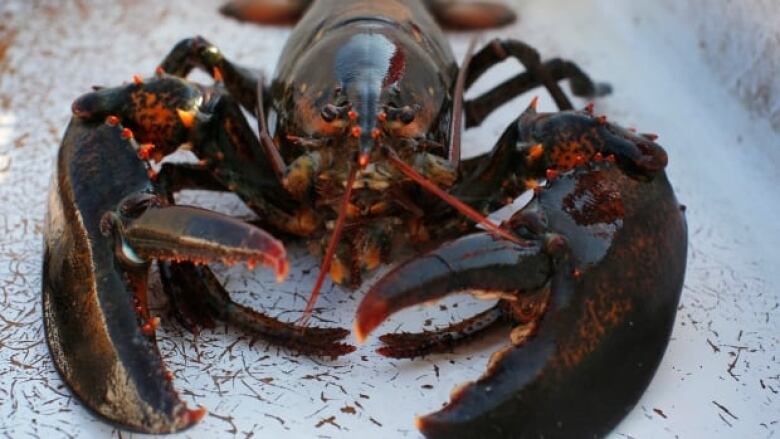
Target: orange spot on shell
{"type": "Point", "coordinates": [146, 150]}
{"type": "Point", "coordinates": [536, 151]}
{"type": "Point", "coordinates": [112, 120]}
{"type": "Point", "coordinates": [218, 75]}
{"type": "Point", "coordinates": [187, 117]}
{"type": "Point", "coordinates": [137, 80]}
{"type": "Point", "coordinates": [356, 132]}
{"type": "Point", "coordinates": [382, 117]}
{"type": "Point", "coordinates": [127, 133]}
{"type": "Point", "coordinates": [352, 115]}
{"type": "Point", "coordinates": [376, 133]}
{"type": "Point", "coordinates": [551, 174]}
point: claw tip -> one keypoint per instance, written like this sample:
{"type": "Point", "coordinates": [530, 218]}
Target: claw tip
{"type": "Point", "coordinates": [282, 269]}
{"type": "Point", "coordinates": [534, 103]}
{"type": "Point", "coordinates": [360, 334]}
{"type": "Point", "coordinates": [196, 415]}
{"type": "Point", "coordinates": [370, 314]}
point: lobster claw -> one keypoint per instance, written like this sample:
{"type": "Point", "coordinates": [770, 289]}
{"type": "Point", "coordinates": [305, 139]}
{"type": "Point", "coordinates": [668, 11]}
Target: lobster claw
{"type": "Point", "coordinates": [101, 228]}
{"type": "Point", "coordinates": [593, 343]}
{"type": "Point", "coordinates": [479, 263]}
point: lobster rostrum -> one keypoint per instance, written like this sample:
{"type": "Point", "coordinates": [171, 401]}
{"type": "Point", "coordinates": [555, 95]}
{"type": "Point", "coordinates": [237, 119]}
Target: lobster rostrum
{"type": "Point", "coordinates": [359, 132]}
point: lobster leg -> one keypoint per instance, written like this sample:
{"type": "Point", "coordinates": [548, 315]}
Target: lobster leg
{"type": "Point", "coordinates": [244, 85]}
{"type": "Point", "coordinates": [199, 298]}
{"type": "Point", "coordinates": [278, 12]}
{"type": "Point", "coordinates": [174, 177]}
{"type": "Point", "coordinates": [480, 107]}
{"type": "Point", "coordinates": [190, 310]}
{"type": "Point", "coordinates": [197, 52]}
{"type": "Point", "coordinates": [410, 345]}
{"type": "Point", "coordinates": [470, 15]}
{"type": "Point", "coordinates": [547, 74]}
{"type": "Point", "coordinates": [454, 15]}
{"type": "Point", "coordinates": [213, 302]}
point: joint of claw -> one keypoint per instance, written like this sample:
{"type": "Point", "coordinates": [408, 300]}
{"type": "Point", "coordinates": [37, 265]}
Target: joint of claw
{"type": "Point", "coordinates": [111, 224]}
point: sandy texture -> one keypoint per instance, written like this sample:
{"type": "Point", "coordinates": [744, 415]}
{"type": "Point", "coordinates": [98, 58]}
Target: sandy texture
{"type": "Point", "coordinates": [720, 377]}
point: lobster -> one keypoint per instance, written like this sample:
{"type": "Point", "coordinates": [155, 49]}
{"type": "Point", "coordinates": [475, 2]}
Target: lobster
{"type": "Point", "coordinates": [359, 131]}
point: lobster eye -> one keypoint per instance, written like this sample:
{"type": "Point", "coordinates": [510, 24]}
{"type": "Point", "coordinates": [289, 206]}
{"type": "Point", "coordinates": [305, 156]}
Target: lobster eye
{"type": "Point", "coordinates": [329, 113]}
{"type": "Point", "coordinates": [407, 115]}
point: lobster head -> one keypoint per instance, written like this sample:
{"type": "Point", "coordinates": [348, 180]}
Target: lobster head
{"type": "Point", "coordinates": [365, 89]}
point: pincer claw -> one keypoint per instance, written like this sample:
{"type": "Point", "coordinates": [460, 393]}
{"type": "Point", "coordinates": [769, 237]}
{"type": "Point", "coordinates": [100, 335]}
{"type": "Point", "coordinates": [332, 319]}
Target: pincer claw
{"type": "Point", "coordinates": [104, 224]}
{"type": "Point", "coordinates": [197, 235]}
{"type": "Point", "coordinates": [593, 296]}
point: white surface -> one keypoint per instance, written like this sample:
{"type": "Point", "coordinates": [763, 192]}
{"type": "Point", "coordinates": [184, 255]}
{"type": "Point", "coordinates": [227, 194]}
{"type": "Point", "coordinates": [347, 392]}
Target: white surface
{"type": "Point", "coordinates": [741, 41]}
{"type": "Point", "coordinates": [723, 164]}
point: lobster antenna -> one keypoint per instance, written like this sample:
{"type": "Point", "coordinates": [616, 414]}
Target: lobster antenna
{"type": "Point", "coordinates": [331, 249]}
{"type": "Point", "coordinates": [457, 107]}
{"type": "Point", "coordinates": [460, 206]}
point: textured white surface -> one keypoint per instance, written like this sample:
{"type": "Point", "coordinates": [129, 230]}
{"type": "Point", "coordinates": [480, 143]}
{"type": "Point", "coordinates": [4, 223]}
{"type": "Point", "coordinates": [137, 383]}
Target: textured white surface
{"type": "Point", "coordinates": [719, 378]}
{"type": "Point", "coordinates": [741, 41]}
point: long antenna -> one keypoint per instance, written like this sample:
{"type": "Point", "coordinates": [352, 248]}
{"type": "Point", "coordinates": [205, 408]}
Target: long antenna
{"type": "Point", "coordinates": [460, 206]}
{"type": "Point", "coordinates": [331, 249]}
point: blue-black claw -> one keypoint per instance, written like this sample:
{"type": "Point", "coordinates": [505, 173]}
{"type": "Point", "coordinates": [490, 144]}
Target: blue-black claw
{"type": "Point", "coordinates": [104, 224]}
{"type": "Point", "coordinates": [593, 294]}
